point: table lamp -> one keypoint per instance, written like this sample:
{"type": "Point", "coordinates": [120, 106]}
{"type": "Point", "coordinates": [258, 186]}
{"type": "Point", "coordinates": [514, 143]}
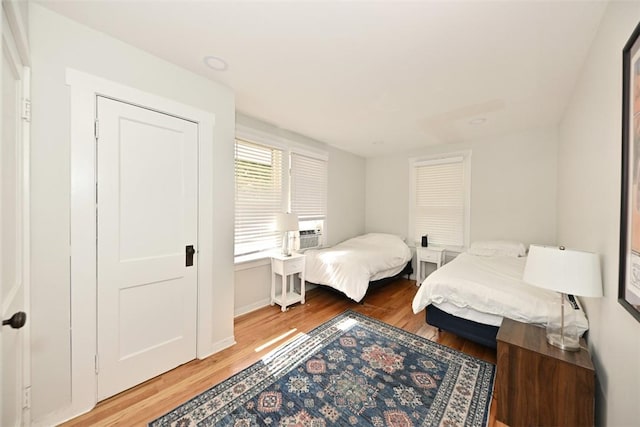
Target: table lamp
{"type": "Point", "coordinates": [568, 272]}
{"type": "Point", "coordinates": [286, 222]}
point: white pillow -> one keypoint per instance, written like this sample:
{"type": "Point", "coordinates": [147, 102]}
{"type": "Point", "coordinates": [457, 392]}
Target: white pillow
{"type": "Point", "coordinates": [374, 236]}
{"type": "Point", "coordinates": [498, 248]}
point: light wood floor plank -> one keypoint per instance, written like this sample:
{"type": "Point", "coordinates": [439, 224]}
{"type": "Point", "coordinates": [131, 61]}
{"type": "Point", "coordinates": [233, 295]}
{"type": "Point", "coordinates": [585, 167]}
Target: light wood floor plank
{"type": "Point", "coordinates": [147, 401]}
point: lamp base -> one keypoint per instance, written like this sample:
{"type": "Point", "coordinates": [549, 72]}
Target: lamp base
{"type": "Point", "coordinates": [565, 343]}
{"type": "Point", "coordinates": [286, 247]}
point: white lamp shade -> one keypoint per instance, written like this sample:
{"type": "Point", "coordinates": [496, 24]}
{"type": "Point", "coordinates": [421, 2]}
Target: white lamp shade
{"type": "Point", "coordinates": [286, 222]}
{"type": "Point", "coordinates": [564, 270]}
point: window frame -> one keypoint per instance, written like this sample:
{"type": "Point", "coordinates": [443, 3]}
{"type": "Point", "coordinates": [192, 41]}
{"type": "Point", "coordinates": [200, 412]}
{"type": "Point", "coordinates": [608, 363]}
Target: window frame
{"type": "Point", "coordinates": [288, 147]}
{"type": "Point", "coordinates": [262, 202]}
{"type": "Point", "coordinates": [414, 163]}
{"type": "Point", "coordinates": [325, 199]}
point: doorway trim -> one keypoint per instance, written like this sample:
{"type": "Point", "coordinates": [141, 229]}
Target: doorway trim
{"type": "Point", "coordinates": [84, 88]}
{"type": "Point", "coordinates": [15, 44]}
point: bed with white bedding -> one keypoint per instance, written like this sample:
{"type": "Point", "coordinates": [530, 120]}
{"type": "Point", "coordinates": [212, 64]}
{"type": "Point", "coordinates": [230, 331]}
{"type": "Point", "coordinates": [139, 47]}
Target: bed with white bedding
{"type": "Point", "coordinates": [482, 290]}
{"type": "Point", "coordinates": [350, 266]}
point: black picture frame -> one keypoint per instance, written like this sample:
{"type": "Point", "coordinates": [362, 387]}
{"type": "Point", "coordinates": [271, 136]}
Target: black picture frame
{"type": "Point", "coordinates": [629, 274]}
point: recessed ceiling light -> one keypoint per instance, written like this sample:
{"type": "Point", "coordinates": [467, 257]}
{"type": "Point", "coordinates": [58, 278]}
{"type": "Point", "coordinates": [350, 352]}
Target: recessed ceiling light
{"type": "Point", "coordinates": [215, 63]}
{"type": "Point", "coordinates": [477, 121]}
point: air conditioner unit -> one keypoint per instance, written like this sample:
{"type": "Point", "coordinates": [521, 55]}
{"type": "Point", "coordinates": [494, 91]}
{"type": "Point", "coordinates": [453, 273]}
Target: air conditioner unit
{"type": "Point", "coordinates": [310, 239]}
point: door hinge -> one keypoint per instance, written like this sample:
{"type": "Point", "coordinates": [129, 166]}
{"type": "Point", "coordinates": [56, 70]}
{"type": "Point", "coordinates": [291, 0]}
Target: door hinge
{"type": "Point", "coordinates": [96, 214]}
{"type": "Point", "coordinates": [26, 109]}
{"type": "Point", "coordinates": [96, 129]}
{"type": "Point", "coordinates": [97, 365]}
{"type": "Point", "coordinates": [26, 398]}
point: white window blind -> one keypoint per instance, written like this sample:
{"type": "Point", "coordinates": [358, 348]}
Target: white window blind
{"type": "Point", "coordinates": [308, 187]}
{"type": "Point", "coordinates": [259, 196]}
{"type": "Point", "coordinates": [439, 201]}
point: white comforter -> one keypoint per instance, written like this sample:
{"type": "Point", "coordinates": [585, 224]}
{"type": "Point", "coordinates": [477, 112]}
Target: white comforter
{"type": "Point", "coordinates": [491, 285]}
{"type": "Point", "coordinates": [350, 265]}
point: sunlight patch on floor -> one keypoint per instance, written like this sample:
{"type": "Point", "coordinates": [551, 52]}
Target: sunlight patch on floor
{"type": "Point", "coordinates": [346, 324]}
{"type": "Point", "coordinates": [275, 340]}
{"type": "Point", "coordinates": [298, 339]}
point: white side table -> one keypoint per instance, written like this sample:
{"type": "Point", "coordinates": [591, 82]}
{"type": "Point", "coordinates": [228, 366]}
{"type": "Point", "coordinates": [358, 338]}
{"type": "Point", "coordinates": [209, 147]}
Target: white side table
{"type": "Point", "coordinates": [286, 267]}
{"type": "Point", "coordinates": [433, 254]}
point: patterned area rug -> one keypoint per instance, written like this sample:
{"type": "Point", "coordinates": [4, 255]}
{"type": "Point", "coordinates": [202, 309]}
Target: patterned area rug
{"type": "Point", "coordinates": [351, 370]}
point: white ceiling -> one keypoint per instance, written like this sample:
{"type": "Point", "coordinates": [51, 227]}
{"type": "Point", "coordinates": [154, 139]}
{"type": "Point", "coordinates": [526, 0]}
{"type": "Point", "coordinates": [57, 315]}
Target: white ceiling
{"type": "Point", "coordinates": [371, 77]}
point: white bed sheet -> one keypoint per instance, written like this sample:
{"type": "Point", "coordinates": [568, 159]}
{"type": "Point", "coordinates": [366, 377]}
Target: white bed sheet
{"type": "Point", "coordinates": [350, 265]}
{"type": "Point", "coordinates": [470, 314]}
{"type": "Point", "coordinates": [492, 286]}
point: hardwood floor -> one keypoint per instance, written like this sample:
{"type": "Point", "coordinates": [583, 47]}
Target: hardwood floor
{"type": "Point", "coordinates": [256, 334]}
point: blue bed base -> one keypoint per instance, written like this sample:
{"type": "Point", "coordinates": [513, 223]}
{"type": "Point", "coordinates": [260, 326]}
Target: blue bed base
{"type": "Point", "coordinates": [468, 329]}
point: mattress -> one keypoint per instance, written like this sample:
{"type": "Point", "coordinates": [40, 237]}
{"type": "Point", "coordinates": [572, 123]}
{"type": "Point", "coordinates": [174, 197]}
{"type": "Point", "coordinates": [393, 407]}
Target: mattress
{"type": "Point", "coordinates": [470, 314]}
{"type": "Point", "coordinates": [487, 289]}
{"type": "Point", "coordinates": [349, 266]}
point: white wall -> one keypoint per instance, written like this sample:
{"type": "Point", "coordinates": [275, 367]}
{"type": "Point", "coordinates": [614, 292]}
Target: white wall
{"type": "Point", "coordinates": [513, 193]}
{"type": "Point", "coordinates": [58, 43]}
{"type": "Point", "coordinates": [346, 204]}
{"type": "Point", "coordinates": [345, 212]}
{"type": "Point", "coordinates": [589, 158]}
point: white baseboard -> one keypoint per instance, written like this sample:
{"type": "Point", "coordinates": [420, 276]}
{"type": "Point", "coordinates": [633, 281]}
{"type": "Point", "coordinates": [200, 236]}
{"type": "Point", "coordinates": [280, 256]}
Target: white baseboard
{"type": "Point", "coordinates": [251, 307]}
{"type": "Point", "coordinates": [217, 346]}
{"type": "Point", "coordinates": [262, 303]}
{"type": "Point", "coordinates": [60, 416]}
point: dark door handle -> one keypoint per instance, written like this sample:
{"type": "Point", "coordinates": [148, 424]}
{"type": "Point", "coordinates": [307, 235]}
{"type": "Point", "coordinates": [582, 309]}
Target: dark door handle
{"type": "Point", "coordinates": [189, 252]}
{"type": "Point", "coordinates": [16, 321]}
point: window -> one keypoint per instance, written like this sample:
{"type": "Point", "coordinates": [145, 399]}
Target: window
{"type": "Point", "coordinates": [439, 205]}
{"type": "Point", "coordinates": [259, 196]}
{"type": "Point", "coordinates": [309, 191]}
{"type": "Point", "coordinates": [272, 179]}
{"type": "Point", "coordinates": [309, 198]}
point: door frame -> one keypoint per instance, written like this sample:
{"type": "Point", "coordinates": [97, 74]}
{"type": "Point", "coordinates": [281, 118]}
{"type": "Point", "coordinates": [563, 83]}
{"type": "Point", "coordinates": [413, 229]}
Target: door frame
{"type": "Point", "coordinates": [15, 41]}
{"type": "Point", "coordinates": [84, 88]}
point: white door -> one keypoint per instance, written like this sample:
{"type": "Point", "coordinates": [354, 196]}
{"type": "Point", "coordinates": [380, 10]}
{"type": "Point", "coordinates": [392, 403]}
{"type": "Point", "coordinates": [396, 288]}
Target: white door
{"type": "Point", "coordinates": [147, 217]}
{"type": "Point", "coordinates": [13, 234]}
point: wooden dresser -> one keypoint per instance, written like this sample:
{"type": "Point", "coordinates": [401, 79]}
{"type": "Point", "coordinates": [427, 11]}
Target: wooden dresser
{"type": "Point", "coordinates": [540, 385]}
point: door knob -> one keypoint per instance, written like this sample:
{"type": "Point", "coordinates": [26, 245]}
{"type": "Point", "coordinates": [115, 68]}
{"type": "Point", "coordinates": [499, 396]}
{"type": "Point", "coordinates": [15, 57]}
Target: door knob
{"type": "Point", "coordinates": [16, 321]}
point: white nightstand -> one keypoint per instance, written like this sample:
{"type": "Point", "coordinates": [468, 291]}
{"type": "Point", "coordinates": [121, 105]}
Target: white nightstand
{"type": "Point", "coordinates": [433, 254]}
{"type": "Point", "coordinates": [286, 267]}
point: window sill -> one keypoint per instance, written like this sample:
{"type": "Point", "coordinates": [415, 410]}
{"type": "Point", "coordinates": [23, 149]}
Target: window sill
{"type": "Point", "coordinates": [246, 262]}
{"type": "Point", "coordinates": [259, 259]}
